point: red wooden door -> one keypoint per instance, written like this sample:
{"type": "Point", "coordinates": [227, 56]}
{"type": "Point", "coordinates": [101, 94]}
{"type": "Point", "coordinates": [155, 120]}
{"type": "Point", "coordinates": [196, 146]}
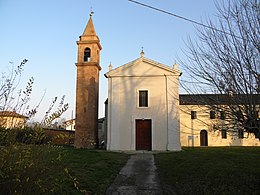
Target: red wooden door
{"type": "Point", "coordinates": [143, 134]}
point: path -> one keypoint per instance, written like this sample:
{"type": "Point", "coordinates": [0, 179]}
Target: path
{"type": "Point", "coordinates": [138, 176]}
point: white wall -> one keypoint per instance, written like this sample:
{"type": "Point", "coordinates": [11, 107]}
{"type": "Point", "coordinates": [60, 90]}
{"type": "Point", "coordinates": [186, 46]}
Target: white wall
{"type": "Point", "coordinates": [162, 108]}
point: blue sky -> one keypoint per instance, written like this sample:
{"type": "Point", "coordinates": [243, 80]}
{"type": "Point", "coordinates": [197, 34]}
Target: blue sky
{"type": "Point", "coordinates": [45, 33]}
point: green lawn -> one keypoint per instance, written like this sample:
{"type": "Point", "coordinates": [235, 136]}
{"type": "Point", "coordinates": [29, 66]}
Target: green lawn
{"type": "Point", "coordinates": [94, 169]}
{"type": "Point", "coordinates": [65, 170]}
{"type": "Point", "coordinates": [223, 170]}
{"type": "Point", "coordinates": [57, 170]}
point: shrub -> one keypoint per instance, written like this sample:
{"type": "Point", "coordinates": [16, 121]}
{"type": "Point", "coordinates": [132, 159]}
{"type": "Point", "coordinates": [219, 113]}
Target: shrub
{"type": "Point", "coordinates": [7, 137]}
{"type": "Point", "coordinates": [32, 136]}
{"type": "Point", "coordinates": [28, 169]}
{"type": "Point", "coordinates": [26, 136]}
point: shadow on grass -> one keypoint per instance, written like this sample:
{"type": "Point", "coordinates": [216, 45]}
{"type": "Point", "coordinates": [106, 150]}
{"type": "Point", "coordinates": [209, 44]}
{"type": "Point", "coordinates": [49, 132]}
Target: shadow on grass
{"type": "Point", "coordinates": [223, 170]}
{"type": "Point", "coordinates": [30, 169]}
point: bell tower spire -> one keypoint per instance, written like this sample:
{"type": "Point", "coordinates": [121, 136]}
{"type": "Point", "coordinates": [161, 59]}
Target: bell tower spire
{"type": "Point", "coordinates": [87, 88]}
{"type": "Point", "coordinates": [90, 29]}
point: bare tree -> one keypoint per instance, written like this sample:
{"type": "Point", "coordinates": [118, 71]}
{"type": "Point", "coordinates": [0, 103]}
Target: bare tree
{"type": "Point", "coordinates": [225, 60]}
{"type": "Point", "coordinates": [10, 98]}
{"type": "Point", "coordinates": [50, 115]}
{"type": "Point", "coordinates": [14, 100]}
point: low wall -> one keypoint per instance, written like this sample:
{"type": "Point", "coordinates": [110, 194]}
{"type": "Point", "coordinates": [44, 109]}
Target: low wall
{"type": "Point", "coordinates": [61, 136]}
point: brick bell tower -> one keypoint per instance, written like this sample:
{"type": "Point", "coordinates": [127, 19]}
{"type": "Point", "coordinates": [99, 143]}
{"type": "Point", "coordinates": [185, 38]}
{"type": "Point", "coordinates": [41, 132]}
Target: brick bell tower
{"type": "Point", "coordinates": [87, 87]}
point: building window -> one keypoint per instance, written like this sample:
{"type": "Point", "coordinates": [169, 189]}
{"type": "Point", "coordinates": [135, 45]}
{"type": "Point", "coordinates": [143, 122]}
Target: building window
{"type": "Point", "coordinates": [222, 115]}
{"type": "Point", "coordinates": [212, 114]}
{"type": "Point", "coordinates": [240, 133]}
{"type": "Point", "coordinates": [87, 53]}
{"type": "Point", "coordinates": [193, 114]}
{"type": "Point", "coordinates": [224, 134]}
{"type": "Point", "coordinates": [143, 98]}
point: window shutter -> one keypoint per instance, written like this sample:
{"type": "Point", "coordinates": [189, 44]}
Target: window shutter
{"type": "Point", "coordinates": [193, 114]}
{"type": "Point", "coordinates": [212, 114]}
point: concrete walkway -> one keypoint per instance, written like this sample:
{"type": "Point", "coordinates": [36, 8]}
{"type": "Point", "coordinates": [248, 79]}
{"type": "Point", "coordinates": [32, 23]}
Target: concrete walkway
{"type": "Point", "coordinates": [138, 176]}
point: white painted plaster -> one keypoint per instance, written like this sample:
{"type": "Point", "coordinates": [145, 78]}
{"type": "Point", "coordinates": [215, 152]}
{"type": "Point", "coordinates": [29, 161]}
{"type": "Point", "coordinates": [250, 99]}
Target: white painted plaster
{"type": "Point", "coordinates": [124, 84]}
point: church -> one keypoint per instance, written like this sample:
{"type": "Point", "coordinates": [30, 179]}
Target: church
{"type": "Point", "coordinates": [142, 106]}
{"type": "Point", "coordinates": [144, 110]}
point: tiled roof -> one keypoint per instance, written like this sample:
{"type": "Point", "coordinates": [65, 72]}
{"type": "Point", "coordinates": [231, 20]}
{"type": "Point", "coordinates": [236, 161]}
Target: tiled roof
{"type": "Point", "coordinates": [11, 114]}
{"type": "Point", "coordinates": [219, 99]}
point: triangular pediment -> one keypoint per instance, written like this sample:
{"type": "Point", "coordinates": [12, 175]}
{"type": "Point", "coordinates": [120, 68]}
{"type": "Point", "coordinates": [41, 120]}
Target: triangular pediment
{"type": "Point", "coordinates": [143, 67]}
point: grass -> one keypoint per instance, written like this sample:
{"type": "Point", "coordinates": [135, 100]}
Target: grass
{"type": "Point", "coordinates": [222, 170]}
{"type": "Point", "coordinates": [57, 170]}
{"type": "Point", "coordinates": [94, 169]}
{"type": "Point", "coordinates": [66, 170]}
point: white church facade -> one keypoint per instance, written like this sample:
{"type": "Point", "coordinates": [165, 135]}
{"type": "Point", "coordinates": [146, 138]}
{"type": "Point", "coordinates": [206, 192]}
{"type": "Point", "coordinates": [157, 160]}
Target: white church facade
{"type": "Point", "coordinates": [143, 107]}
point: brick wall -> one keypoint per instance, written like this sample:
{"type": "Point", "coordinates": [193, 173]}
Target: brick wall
{"type": "Point", "coordinates": [61, 137]}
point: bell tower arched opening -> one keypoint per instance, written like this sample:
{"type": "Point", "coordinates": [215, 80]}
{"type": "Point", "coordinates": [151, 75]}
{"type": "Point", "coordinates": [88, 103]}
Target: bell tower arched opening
{"type": "Point", "coordinates": [87, 54]}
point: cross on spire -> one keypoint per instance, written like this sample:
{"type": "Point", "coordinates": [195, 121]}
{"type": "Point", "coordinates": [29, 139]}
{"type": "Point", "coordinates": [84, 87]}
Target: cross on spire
{"type": "Point", "coordinates": [91, 12]}
{"type": "Point", "coordinates": [142, 52]}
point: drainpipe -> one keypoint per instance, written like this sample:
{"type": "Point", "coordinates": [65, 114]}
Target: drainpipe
{"type": "Point", "coordinates": [192, 130]}
{"type": "Point", "coordinates": [192, 133]}
{"type": "Point", "coordinates": [109, 114]}
{"type": "Point", "coordinates": [167, 119]}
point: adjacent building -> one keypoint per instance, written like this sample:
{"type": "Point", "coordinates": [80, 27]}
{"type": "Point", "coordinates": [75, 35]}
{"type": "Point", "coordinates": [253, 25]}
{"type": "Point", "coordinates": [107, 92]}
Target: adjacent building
{"type": "Point", "coordinates": [11, 119]}
{"type": "Point", "coordinates": [204, 121]}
